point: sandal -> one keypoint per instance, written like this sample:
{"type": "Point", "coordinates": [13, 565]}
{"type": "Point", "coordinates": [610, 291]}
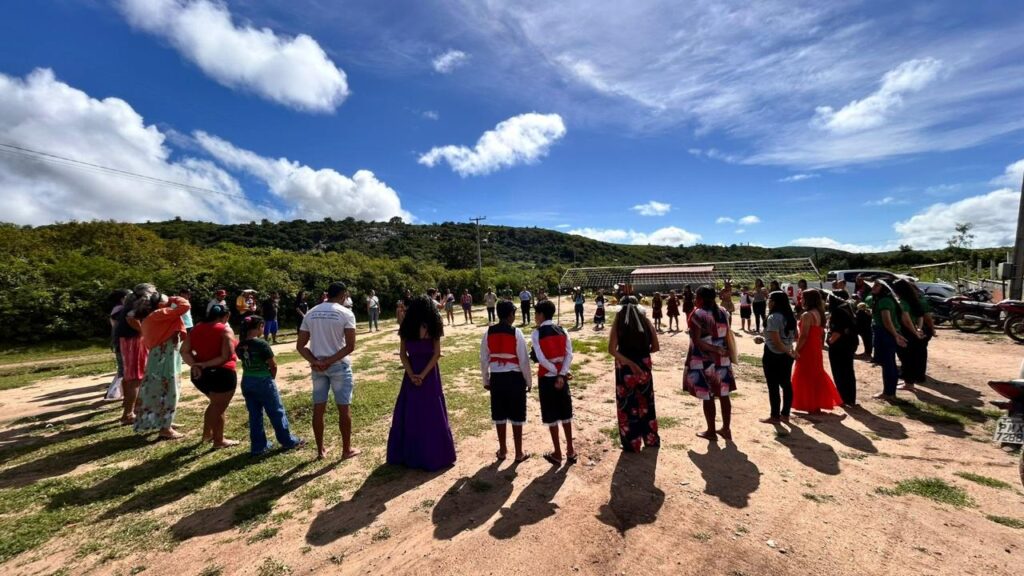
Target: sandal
{"type": "Point", "coordinates": [572, 458]}
{"type": "Point", "coordinates": [501, 455]}
{"type": "Point", "coordinates": [552, 460]}
{"type": "Point", "coordinates": [526, 456]}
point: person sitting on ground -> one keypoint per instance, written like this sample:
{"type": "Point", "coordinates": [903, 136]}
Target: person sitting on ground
{"type": "Point", "coordinates": [505, 367]}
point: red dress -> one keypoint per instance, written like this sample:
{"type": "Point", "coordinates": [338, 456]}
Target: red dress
{"type": "Point", "coordinates": [813, 389]}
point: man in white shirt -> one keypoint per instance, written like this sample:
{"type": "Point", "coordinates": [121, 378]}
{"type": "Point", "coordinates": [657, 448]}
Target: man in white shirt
{"type": "Point", "coordinates": [373, 310]}
{"type": "Point", "coordinates": [327, 338]}
{"type": "Point", "coordinates": [524, 302]}
{"type": "Point", "coordinates": [505, 367]}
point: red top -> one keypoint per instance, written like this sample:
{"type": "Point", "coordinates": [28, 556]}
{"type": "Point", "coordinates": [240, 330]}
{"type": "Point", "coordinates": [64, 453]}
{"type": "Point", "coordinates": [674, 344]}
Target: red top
{"type": "Point", "coordinates": [552, 343]}
{"type": "Point", "coordinates": [207, 339]}
{"type": "Point", "coordinates": [502, 344]}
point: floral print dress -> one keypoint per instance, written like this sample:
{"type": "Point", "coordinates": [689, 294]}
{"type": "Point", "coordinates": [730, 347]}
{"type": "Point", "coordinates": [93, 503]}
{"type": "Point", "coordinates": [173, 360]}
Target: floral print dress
{"type": "Point", "coordinates": [158, 396]}
{"type": "Point", "coordinates": [634, 398]}
{"type": "Point", "coordinates": [708, 375]}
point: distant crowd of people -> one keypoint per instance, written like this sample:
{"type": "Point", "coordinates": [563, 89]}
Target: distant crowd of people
{"type": "Point", "coordinates": [155, 333]}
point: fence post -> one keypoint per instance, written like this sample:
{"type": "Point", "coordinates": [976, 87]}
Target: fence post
{"type": "Point", "coordinates": [992, 269]}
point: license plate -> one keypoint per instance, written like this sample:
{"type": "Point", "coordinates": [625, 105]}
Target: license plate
{"type": "Point", "coordinates": [1009, 430]}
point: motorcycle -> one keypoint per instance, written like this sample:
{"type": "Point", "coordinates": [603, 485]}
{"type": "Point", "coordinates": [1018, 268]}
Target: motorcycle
{"type": "Point", "coordinates": [942, 307]}
{"type": "Point", "coordinates": [1010, 428]}
{"type": "Point", "coordinates": [1014, 326]}
{"type": "Point", "coordinates": [974, 316]}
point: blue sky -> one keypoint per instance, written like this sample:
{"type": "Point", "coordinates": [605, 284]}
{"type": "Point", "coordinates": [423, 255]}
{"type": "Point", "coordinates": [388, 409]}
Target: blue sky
{"type": "Point", "coordinates": [858, 125]}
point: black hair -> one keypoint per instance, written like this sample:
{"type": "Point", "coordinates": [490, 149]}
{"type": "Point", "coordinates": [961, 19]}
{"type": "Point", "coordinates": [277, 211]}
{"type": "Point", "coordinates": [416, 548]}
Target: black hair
{"type": "Point", "coordinates": [839, 304]}
{"type": "Point", "coordinates": [421, 311]}
{"type": "Point", "coordinates": [906, 292]}
{"type": "Point", "coordinates": [631, 327]}
{"type": "Point", "coordinates": [546, 309]}
{"type": "Point", "coordinates": [118, 296]}
{"type": "Point", "coordinates": [249, 323]}
{"type": "Point", "coordinates": [780, 303]}
{"type": "Point", "coordinates": [706, 295]}
{"type": "Point", "coordinates": [336, 289]}
{"type": "Point", "coordinates": [217, 312]}
{"type": "Point", "coordinates": [506, 309]}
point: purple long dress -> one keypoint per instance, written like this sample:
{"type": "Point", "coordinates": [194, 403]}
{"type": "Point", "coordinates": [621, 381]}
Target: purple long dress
{"type": "Point", "coordinates": [420, 436]}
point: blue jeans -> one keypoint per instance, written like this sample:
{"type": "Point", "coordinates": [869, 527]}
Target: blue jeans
{"type": "Point", "coordinates": [374, 316]}
{"type": "Point", "coordinates": [885, 355]}
{"type": "Point", "coordinates": [261, 396]}
{"type": "Point", "coordinates": [337, 379]}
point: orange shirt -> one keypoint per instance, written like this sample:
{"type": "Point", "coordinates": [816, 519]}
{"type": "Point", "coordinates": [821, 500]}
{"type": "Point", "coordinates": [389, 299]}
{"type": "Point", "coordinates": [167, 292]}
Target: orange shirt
{"type": "Point", "coordinates": [162, 324]}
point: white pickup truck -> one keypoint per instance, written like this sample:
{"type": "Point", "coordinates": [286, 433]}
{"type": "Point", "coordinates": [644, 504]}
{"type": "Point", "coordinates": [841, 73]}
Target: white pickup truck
{"type": "Point", "coordinates": [847, 276]}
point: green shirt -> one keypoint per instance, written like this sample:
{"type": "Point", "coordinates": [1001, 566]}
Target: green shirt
{"type": "Point", "coordinates": [255, 355]}
{"type": "Point", "coordinates": [884, 303]}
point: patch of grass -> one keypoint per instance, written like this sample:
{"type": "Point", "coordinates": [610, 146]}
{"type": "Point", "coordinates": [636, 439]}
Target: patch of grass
{"type": "Point", "coordinates": [613, 434]}
{"type": "Point", "coordinates": [702, 536]}
{"type": "Point", "coordinates": [984, 480]}
{"type": "Point", "coordinates": [664, 423]}
{"type": "Point", "coordinates": [932, 488]}
{"type": "Point", "coordinates": [264, 534]}
{"type": "Point", "coordinates": [425, 505]}
{"type": "Point", "coordinates": [750, 360]}
{"type": "Point", "coordinates": [212, 570]}
{"type": "Point", "coordinates": [1007, 521]}
{"type": "Point", "coordinates": [25, 375]}
{"type": "Point", "coordinates": [597, 346]}
{"type": "Point", "coordinates": [380, 535]}
{"type": "Point", "coordinates": [934, 413]}
{"type": "Point", "coordinates": [272, 567]}
{"type": "Point", "coordinates": [580, 380]}
{"type": "Point", "coordinates": [853, 455]}
{"type": "Point", "coordinates": [819, 498]}
{"type": "Point", "coordinates": [55, 350]}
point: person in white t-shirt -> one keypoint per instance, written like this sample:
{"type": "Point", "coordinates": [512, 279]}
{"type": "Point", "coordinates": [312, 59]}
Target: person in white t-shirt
{"type": "Point", "coordinates": [373, 310]}
{"type": "Point", "coordinates": [327, 338]}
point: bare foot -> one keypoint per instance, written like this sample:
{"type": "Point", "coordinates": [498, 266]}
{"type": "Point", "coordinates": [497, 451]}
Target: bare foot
{"type": "Point", "coordinates": [500, 455]}
{"type": "Point", "coordinates": [884, 396]}
{"type": "Point", "coordinates": [522, 457]}
{"type": "Point", "coordinates": [707, 435]}
{"type": "Point", "coordinates": [725, 433]}
{"type": "Point", "coordinates": [352, 453]}
{"type": "Point", "coordinates": [770, 420]}
{"type": "Point", "coordinates": [171, 435]}
{"type": "Point", "coordinates": [907, 387]}
{"type": "Point", "coordinates": [225, 444]}
{"type": "Point", "coordinates": [321, 454]}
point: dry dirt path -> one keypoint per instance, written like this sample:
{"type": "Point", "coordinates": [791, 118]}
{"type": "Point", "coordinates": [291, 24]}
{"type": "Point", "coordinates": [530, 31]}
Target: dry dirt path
{"type": "Point", "coordinates": [801, 501]}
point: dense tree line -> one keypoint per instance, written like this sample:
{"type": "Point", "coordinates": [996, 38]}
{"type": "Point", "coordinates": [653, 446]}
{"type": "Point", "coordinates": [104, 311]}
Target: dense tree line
{"type": "Point", "coordinates": [54, 280]}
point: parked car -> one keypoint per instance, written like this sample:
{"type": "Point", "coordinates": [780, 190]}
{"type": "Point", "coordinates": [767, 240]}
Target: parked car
{"type": "Point", "coordinates": [849, 277]}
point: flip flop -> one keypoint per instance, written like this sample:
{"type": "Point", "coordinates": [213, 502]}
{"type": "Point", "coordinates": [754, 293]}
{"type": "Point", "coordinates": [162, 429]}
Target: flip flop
{"type": "Point", "coordinates": [552, 460]}
{"type": "Point", "coordinates": [526, 456]}
{"type": "Point", "coordinates": [500, 455]}
{"type": "Point", "coordinates": [572, 459]}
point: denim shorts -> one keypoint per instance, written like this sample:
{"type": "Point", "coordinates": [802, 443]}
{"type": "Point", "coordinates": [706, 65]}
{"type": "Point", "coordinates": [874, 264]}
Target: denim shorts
{"type": "Point", "coordinates": [337, 379]}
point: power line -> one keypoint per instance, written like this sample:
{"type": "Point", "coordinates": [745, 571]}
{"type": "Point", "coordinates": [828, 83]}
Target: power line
{"type": "Point", "coordinates": [100, 169]}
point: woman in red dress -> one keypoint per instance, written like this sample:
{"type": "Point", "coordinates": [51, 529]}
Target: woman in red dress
{"type": "Point", "coordinates": [813, 389]}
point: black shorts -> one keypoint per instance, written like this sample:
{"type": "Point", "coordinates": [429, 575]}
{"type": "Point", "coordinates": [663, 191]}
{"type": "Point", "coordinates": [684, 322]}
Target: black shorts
{"type": "Point", "coordinates": [216, 381]}
{"type": "Point", "coordinates": [508, 398]}
{"type": "Point", "coordinates": [555, 405]}
{"type": "Point", "coordinates": [745, 312]}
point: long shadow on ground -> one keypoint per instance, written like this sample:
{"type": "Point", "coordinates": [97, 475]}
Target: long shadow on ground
{"type": "Point", "coordinates": [635, 500]}
{"type": "Point", "coordinates": [384, 484]}
{"type": "Point", "coordinates": [471, 501]}
{"type": "Point", "coordinates": [849, 437]}
{"type": "Point", "coordinates": [533, 505]}
{"type": "Point", "coordinates": [728, 474]}
{"type": "Point", "coordinates": [60, 463]}
{"type": "Point", "coordinates": [809, 451]}
{"type": "Point", "coordinates": [881, 426]}
{"type": "Point", "coordinates": [253, 503]}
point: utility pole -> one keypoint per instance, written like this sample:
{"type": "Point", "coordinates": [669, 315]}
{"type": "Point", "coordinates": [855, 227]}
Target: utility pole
{"type": "Point", "coordinates": [479, 254]}
{"type": "Point", "coordinates": [1017, 282]}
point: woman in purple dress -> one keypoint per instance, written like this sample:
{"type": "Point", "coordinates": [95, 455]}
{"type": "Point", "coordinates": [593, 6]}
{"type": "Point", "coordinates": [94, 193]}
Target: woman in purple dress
{"type": "Point", "coordinates": [420, 436]}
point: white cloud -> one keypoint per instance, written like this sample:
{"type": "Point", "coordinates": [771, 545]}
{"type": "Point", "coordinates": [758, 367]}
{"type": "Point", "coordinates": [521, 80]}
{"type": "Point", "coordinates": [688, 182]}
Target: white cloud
{"type": "Point", "coordinates": [716, 154]}
{"type": "Point", "coordinates": [725, 220]}
{"type": "Point", "coordinates": [739, 231]}
{"type": "Point", "coordinates": [522, 139]}
{"type": "Point", "coordinates": [652, 208]}
{"type": "Point", "coordinates": [563, 226]}
{"type": "Point", "coordinates": [294, 71]}
{"type": "Point", "coordinates": [757, 75]}
{"type": "Point", "coordinates": [1012, 176]}
{"type": "Point", "coordinates": [887, 201]}
{"type": "Point", "coordinates": [991, 214]}
{"type": "Point", "coordinates": [873, 111]}
{"type": "Point", "coordinates": [668, 236]}
{"type": "Point", "coordinates": [431, 115]}
{"type": "Point", "coordinates": [749, 220]}
{"type": "Point", "coordinates": [42, 113]}
{"type": "Point", "coordinates": [447, 63]}
{"type": "Point", "coordinates": [826, 242]}
{"type": "Point", "coordinates": [311, 194]}
{"type": "Point", "coordinates": [798, 177]}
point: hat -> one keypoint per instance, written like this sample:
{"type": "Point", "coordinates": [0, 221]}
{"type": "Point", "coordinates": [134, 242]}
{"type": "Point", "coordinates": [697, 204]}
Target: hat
{"type": "Point", "coordinates": [221, 293]}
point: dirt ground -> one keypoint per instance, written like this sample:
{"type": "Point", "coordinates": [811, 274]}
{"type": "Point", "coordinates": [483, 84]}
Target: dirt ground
{"type": "Point", "coordinates": [801, 500]}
